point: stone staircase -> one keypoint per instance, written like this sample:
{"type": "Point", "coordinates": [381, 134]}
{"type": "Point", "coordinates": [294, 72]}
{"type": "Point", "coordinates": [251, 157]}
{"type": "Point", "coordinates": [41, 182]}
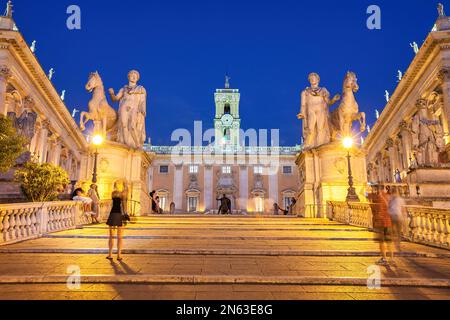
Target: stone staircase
{"type": "Point", "coordinates": [222, 257]}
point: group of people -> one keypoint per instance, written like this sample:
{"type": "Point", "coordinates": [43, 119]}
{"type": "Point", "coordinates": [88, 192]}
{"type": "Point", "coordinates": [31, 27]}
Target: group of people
{"type": "Point", "coordinates": [156, 203]}
{"type": "Point", "coordinates": [389, 221]}
{"type": "Point", "coordinates": [90, 201]}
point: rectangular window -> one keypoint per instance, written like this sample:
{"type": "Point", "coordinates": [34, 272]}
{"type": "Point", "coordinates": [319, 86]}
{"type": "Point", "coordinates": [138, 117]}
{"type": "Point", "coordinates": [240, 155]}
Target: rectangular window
{"type": "Point", "coordinates": [287, 170]}
{"type": "Point", "coordinates": [258, 170]}
{"type": "Point", "coordinates": [164, 169]}
{"type": "Point", "coordinates": [259, 204]}
{"type": "Point", "coordinates": [193, 169]}
{"type": "Point", "coordinates": [193, 201]}
{"type": "Point", "coordinates": [226, 170]}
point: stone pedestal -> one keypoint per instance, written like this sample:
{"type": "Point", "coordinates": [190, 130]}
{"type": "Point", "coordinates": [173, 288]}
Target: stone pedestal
{"type": "Point", "coordinates": [430, 186]}
{"type": "Point", "coordinates": [124, 166]}
{"type": "Point", "coordinates": [324, 177]}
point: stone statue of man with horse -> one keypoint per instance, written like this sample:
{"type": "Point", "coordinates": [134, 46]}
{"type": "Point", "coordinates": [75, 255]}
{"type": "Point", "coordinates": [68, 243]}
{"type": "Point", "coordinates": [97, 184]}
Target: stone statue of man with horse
{"type": "Point", "coordinates": [320, 127]}
{"type": "Point", "coordinates": [126, 126]}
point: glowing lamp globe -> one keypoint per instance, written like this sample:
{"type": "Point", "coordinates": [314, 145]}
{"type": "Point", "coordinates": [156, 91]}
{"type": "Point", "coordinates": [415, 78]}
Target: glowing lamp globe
{"type": "Point", "coordinates": [97, 140]}
{"type": "Point", "coordinates": [348, 142]}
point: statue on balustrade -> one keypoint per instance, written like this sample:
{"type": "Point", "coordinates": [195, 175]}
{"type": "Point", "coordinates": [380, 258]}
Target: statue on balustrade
{"type": "Point", "coordinates": [341, 119]}
{"type": "Point", "coordinates": [428, 140]}
{"type": "Point", "coordinates": [132, 112]}
{"type": "Point", "coordinates": [315, 113]}
{"type": "Point", "coordinates": [100, 112]}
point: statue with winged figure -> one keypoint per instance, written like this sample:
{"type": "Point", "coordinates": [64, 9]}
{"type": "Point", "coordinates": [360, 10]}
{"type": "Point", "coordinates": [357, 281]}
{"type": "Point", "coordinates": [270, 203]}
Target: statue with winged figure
{"type": "Point", "coordinates": [100, 112]}
{"type": "Point", "coordinates": [341, 119]}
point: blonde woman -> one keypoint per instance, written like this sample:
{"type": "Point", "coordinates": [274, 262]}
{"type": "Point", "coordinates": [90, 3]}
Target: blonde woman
{"type": "Point", "coordinates": [115, 223]}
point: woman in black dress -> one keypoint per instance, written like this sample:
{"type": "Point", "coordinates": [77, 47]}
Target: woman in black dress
{"type": "Point", "coordinates": [115, 222]}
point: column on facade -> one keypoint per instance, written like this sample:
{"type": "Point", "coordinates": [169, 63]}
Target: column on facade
{"type": "Point", "coordinates": [178, 187]}
{"type": "Point", "coordinates": [69, 163]}
{"type": "Point", "coordinates": [444, 77]}
{"type": "Point", "coordinates": [243, 188]}
{"type": "Point", "coordinates": [34, 144]}
{"type": "Point", "coordinates": [393, 157]}
{"type": "Point", "coordinates": [43, 142]}
{"type": "Point", "coordinates": [5, 74]}
{"type": "Point", "coordinates": [406, 144]}
{"type": "Point", "coordinates": [56, 152]}
{"type": "Point", "coordinates": [208, 187]}
{"type": "Point", "coordinates": [150, 178]}
{"type": "Point", "coordinates": [273, 188]}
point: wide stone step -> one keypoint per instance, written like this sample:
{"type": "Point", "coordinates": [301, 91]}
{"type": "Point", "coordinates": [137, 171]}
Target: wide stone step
{"type": "Point", "coordinates": [242, 280]}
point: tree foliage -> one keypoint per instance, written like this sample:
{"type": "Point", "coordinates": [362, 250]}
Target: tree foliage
{"type": "Point", "coordinates": [42, 182]}
{"type": "Point", "coordinates": [11, 144]}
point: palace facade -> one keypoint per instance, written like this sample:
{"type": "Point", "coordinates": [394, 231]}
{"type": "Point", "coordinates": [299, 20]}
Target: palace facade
{"type": "Point", "coordinates": [254, 178]}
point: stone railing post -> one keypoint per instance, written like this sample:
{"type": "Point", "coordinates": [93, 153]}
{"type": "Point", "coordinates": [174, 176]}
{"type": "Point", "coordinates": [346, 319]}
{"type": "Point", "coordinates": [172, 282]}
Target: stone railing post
{"type": "Point", "coordinates": [43, 219]}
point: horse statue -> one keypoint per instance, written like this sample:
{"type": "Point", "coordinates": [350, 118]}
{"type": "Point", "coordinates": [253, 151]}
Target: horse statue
{"type": "Point", "coordinates": [342, 118]}
{"type": "Point", "coordinates": [100, 112]}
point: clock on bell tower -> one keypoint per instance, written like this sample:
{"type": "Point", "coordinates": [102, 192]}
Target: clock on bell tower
{"type": "Point", "coordinates": [227, 122]}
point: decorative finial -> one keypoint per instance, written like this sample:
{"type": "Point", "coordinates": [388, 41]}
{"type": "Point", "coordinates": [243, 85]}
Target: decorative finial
{"type": "Point", "coordinates": [441, 11]}
{"type": "Point", "coordinates": [74, 112]}
{"type": "Point", "coordinates": [377, 114]}
{"type": "Point", "coordinates": [415, 47]}
{"type": "Point", "coordinates": [399, 76]}
{"type": "Point", "coordinates": [9, 9]}
{"type": "Point", "coordinates": [387, 95]}
{"type": "Point", "coordinates": [63, 95]}
{"type": "Point", "coordinates": [51, 73]}
{"type": "Point", "coordinates": [369, 129]}
{"type": "Point", "coordinates": [33, 46]}
{"type": "Point", "coordinates": [227, 82]}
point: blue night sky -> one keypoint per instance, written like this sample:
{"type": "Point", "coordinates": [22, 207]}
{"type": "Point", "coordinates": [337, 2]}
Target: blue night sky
{"type": "Point", "coordinates": [184, 48]}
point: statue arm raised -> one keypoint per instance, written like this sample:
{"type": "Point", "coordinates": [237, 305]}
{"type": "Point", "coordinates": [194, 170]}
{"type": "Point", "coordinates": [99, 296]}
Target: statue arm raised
{"type": "Point", "coordinates": [335, 99]}
{"type": "Point", "coordinates": [115, 98]}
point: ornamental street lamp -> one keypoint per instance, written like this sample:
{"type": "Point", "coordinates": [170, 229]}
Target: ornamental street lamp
{"type": "Point", "coordinates": [351, 195]}
{"type": "Point", "coordinates": [97, 141]}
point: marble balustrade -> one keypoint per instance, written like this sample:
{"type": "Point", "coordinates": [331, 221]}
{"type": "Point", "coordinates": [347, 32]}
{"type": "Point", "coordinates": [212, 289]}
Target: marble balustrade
{"type": "Point", "coordinates": [424, 225]}
{"type": "Point", "coordinates": [24, 221]}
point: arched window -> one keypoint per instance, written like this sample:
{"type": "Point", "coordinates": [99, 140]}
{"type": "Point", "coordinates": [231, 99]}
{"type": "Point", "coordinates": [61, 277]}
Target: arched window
{"type": "Point", "coordinates": [227, 109]}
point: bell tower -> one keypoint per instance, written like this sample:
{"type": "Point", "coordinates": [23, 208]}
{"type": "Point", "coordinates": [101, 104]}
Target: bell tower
{"type": "Point", "coordinates": [227, 122]}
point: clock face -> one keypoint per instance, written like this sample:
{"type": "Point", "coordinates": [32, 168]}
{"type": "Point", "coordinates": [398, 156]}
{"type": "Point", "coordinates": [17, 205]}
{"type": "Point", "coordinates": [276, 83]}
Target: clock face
{"type": "Point", "coordinates": [227, 120]}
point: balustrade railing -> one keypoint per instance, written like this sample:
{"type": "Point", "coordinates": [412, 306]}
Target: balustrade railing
{"type": "Point", "coordinates": [424, 225]}
{"type": "Point", "coordinates": [429, 226]}
{"type": "Point", "coordinates": [24, 221]}
{"type": "Point", "coordinates": [355, 214]}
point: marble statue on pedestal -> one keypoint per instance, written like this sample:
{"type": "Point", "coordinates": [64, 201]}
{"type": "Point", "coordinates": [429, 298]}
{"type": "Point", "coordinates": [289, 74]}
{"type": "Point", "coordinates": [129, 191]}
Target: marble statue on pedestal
{"type": "Point", "coordinates": [315, 113]}
{"type": "Point", "coordinates": [427, 137]}
{"type": "Point", "coordinates": [100, 112]}
{"type": "Point", "coordinates": [341, 119]}
{"type": "Point", "coordinates": [441, 10]}
{"type": "Point", "coordinates": [132, 112]}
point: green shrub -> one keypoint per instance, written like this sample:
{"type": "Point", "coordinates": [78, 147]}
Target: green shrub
{"type": "Point", "coordinates": [42, 182]}
{"type": "Point", "coordinates": [11, 144]}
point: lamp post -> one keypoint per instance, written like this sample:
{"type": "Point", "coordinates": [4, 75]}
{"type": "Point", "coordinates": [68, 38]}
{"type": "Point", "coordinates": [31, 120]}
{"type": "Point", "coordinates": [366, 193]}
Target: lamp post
{"type": "Point", "coordinates": [97, 141]}
{"type": "Point", "coordinates": [351, 195]}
